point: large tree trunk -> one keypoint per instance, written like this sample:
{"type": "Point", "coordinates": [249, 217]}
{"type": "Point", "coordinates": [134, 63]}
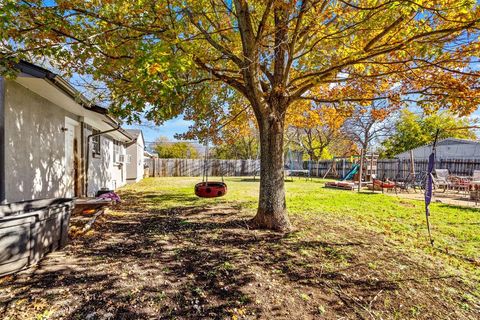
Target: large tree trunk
{"type": "Point", "coordinates": [272, 211]}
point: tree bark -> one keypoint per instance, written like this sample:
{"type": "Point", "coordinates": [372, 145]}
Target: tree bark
{"type": "Point", "coordinates": [272, 211]}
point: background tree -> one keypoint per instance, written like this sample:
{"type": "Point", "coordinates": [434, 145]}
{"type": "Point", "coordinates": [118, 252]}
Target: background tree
{"type": "Point", "coordinates": [231, 129]}
{"type": "Point", "coordinates": [313, 129]}
{"type": "Point", "coordinates": [168, 57]}
{"type": "Point", "coordinates": [238, 139]}
{"type": "Point", "coordinates": [343, 147]}
{"type": "Point", "coordinates": [175, 149]}
{"type": "Point", "coordinates": [413, 130]}
{"type": "Point", "coordinates": [367, 124]}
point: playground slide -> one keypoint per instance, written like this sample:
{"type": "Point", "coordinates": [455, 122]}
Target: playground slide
{"type": "Point", "coordinates": [351, 173]}
{"type": "Point", "coordinates": [342, 183]}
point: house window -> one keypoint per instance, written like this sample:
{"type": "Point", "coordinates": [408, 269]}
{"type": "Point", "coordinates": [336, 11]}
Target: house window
{"type": "Point", "coordinates": [117, 152]}
{"type": "Point", "coordinates": [96, 143]}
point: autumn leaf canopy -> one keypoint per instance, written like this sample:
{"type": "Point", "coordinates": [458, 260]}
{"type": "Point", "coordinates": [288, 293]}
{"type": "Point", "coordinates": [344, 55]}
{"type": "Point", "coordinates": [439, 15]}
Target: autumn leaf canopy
{"type": "Point", "coordinates": [199, 57]}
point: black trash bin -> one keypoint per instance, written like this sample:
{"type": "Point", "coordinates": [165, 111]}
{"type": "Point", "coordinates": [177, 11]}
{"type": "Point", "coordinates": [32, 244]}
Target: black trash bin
{"type": "Point", "coordinates": [31, 229]}
{"type": "Point", "coordinates": [102, 191]}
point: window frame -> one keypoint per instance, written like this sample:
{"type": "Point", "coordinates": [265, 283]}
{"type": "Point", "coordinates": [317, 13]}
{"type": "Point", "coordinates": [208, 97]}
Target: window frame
{"type": "Point", "coordinates": [96, 143]}
{"type": "Point", "coordinates": [117, 151]}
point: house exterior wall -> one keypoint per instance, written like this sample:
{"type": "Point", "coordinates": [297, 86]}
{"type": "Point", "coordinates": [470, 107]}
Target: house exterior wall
{"type": "Point", "coordinates": [119, 170]}
{"type": "Point", "coordinates": [445, 151]}
{"type": "Point", "coordinates": [34, 146]}
{"type": "Point", "coordinates": [103, 172]}
{"type": "Point", "coordinates": [136, 165]}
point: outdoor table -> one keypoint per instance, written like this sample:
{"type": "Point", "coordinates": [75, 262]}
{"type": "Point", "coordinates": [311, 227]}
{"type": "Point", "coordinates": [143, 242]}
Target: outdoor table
{"type": "Point", "coordinates": [459, 183]}
{"type": "Point", "coordinates": [464, 177]}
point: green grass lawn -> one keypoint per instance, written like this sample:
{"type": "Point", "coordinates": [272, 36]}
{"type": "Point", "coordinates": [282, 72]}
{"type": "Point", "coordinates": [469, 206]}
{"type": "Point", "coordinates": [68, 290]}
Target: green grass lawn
{"type": "Point", "coordinates": [456, 230]}
{"type": "Point", "coordinates": [163, 253]}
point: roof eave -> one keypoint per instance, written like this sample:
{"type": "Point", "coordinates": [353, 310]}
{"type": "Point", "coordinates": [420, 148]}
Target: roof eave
{"type": "Point", "coordinates": [67, 88]}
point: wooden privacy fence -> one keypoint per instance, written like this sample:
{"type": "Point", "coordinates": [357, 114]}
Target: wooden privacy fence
{"type": "Point", "coordinates": [324, 168]}
{"type": "Point", "coordinates": [393, 169]}
{"type": "Point", "coordinates": [194, 167]}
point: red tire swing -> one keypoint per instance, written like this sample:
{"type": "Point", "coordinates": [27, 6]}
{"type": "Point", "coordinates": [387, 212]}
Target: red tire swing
{"type": "Point", "coordinates": [209, 189]}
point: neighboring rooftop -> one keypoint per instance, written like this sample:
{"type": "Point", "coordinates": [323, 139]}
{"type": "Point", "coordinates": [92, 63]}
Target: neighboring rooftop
{"type": "Point", "coordinates": [452, 141]}
{"type": "Point", "coordinates": [449, 148]}
{"type": "Point", "coordinates": [134, 132]}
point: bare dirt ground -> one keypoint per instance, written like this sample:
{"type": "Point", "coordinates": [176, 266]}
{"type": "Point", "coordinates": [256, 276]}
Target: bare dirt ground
{"type": "Point", "coordinates": [203, 263]}
{"type": "Point", "coordinates": [450, 198]}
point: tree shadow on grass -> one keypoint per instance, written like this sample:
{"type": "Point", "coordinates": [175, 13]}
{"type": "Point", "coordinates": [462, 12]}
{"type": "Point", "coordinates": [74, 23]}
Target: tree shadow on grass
{"type": "Point", "coordinates": [154, 197]}
{"type": "Point", "coordinates": [203, 262]}
{"type": "Point", "coordinates": [463, 208]}
{"type": "Point", "coordinates": [249, 180]}
{"type": "Point", "coordinates": [207, 260]}
{"type": "Point", "coordinates": [99, 295]}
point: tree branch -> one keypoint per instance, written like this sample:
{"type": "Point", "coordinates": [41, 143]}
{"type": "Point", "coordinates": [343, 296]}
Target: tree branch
{"type": "Point", "coordinates": [213, 43]}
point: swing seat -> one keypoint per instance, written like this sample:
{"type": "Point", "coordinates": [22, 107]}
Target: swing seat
{"type": "Point", "coordinates": [210, 189]}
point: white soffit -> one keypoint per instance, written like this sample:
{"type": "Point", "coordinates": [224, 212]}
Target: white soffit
{"type": "Point", "coordinates": [46, 90]}
{"type": "Point", "coordinates": [53, 94]}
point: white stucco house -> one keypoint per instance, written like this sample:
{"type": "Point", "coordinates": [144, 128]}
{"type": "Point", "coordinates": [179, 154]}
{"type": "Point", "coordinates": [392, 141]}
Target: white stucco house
{"type": "Point", "coordinates": [450, 148]}
{"type": "Point", "coordinates": [135, 151]}
{"type": "Point", "coordinates": [53, 141]}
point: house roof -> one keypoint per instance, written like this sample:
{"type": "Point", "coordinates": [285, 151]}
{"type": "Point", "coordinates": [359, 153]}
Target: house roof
{"type": "Point", "coordinates": [134, 132]}
{"type": "Point", "coordinates": [37, 72]}
{"type": "Point", "coordinates": [148, 154]}
{"type": "Point", "coordinates": [451, 141]}
{"type": "Point", "coordinates": [443, 142]}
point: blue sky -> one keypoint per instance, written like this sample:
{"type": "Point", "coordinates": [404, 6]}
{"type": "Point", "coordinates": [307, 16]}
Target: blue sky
{"type": "Point", "coordinates": [178, 125]}
{"type": "Point", "coordinates": [168, 129]}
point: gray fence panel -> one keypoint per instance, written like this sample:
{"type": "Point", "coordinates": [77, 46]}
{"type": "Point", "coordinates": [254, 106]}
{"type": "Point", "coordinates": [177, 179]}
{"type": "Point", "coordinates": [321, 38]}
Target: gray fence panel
{"type": "Point", "coordinates": [393, 169]}
{"type": "Point", "coordinates": [195, 167]}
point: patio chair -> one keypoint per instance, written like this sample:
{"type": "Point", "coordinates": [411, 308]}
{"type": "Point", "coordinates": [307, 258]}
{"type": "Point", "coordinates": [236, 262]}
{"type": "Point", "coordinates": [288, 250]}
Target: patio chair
{"type": "Point", "coordinates": [420, 181]}
{"type": "Point", "coordinates": [476, 175]}
{"type": "Point", "coordinates": [441, 179]}
{"type": "Point", "coordinates": [404, 184]}
{"type": "Point", "coordinates": [475, 183]}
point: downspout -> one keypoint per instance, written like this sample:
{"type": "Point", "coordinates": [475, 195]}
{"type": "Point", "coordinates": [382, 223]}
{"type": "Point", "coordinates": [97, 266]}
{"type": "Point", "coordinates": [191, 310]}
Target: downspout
{"type": "Point", "coordinates": [2, 141]}
{"type": "Point", "coordinates": [87, 160]}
